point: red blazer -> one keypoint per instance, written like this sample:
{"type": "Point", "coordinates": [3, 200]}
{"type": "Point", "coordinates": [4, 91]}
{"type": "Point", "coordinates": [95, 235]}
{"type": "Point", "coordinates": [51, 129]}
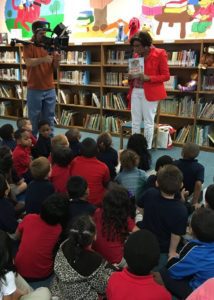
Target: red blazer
{"type": "Point", "coordinates": [156, 67]}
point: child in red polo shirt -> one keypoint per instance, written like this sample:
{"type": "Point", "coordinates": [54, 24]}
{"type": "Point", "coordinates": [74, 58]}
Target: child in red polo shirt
{"type": "Point", "coordinates": [22, 154]}
{"type": "Point", "coordinates": [25, 123]}
{"type": "Point", "coordinates": [141, 252]}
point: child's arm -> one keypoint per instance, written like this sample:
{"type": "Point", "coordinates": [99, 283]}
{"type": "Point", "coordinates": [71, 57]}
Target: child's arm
{"type": "Point", "coordinates": [197, 192]}
{"type": "Point", "coordinates": [175, 239]}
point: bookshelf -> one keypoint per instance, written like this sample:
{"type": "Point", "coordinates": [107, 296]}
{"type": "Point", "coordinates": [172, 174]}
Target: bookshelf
{"type": "Point", "coordinates": [90, 94]}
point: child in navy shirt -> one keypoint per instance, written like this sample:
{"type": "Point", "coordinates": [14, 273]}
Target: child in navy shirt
{"type": "Point", "coordinates": [193, 171]}
{"type": "Point", "coordinates": [7, 136]}
{"type": "Point", "coordinates": [164, 214]}
{"type": "Point", "coordinates": [73, 135]}
{"type": "Point", "coordinates": [43, 145]}
{"type": "Point", "coordinates": [106, 153]}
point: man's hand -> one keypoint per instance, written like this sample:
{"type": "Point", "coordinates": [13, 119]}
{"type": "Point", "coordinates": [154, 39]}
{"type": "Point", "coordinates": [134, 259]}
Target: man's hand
{"type": "Point", "coordinates": [48, 59]}
{"type": "Point", "coordinates": [56, 58]}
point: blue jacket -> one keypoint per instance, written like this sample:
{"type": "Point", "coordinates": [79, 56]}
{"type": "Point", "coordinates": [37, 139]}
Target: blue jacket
{"type": "Point", "coordinates": [196, 260]}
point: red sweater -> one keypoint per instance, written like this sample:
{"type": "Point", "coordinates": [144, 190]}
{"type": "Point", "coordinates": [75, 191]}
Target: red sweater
{"type": "Point", "coordinates": [21, 159]}
{"type": "Point", "coordinates": [95, 172]}
{"type": "Point", "coordinates": [125, 286]}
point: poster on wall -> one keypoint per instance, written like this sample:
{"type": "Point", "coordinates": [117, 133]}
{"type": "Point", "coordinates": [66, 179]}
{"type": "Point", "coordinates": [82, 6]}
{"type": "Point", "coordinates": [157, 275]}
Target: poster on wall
{"type": "Point", "coordinates": [20, 14]}
{"type": "Point", "coordinates": [110, 20]}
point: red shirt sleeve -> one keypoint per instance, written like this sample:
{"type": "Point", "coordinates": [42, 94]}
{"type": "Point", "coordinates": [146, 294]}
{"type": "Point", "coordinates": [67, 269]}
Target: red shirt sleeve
{"type": "Point", "coordinates": [163, 68]}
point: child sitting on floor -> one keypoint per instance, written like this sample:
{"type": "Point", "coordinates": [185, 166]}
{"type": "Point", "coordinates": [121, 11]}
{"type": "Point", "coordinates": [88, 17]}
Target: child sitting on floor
{"type": "Point", "coordinates": [106, 153]}
{"type": "Point", "coordinates": [43, 145]}
{"type": "Point", "coordinates": [73, 135]}
{"type": "Point", "coordinates": [141, 252]}
{"type": "Point", "coordinates": [25, 123]}
{"type": "Point", "coordinates": [7, 136]}
{"type": "Point", "coordinates": [131, 178]}
{"type": "Point", "coordinates": [195, 263]}
{"type": "Point", "coordinates": [22, 154]}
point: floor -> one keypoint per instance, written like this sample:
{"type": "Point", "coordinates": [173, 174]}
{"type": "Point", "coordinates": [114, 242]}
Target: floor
{"type": "Point", "coordinates": [205, 158]}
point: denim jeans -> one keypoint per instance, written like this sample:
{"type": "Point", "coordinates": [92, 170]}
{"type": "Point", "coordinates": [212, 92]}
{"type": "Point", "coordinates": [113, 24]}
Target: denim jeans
{"type": "Point", "coordinates": [41, 106]}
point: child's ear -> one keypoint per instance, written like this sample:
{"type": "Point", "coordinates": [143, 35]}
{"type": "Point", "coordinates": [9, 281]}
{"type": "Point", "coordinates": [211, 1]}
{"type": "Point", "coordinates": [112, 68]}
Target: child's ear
{"type": "Point", "coordinates": [156, 184]}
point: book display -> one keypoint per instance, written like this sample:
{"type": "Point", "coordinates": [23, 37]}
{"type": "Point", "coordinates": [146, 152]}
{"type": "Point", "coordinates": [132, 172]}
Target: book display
{"type": "Point", "coordinates": [92, 97]}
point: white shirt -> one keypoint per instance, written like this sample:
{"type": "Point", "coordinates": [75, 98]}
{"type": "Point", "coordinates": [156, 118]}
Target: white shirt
{"type": "Point", "coordinates": [8, 285]}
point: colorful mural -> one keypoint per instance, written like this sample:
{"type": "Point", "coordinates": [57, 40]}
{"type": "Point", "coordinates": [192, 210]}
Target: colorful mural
{"type": "Point", "coordinates": [22, 13]}
{"type": "Point", "coordinates": [97, 20]}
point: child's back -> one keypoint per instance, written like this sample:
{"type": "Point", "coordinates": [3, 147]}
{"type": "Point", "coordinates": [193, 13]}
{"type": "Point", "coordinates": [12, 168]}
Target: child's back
{"type": "Point", "coordinates": [132, 178]}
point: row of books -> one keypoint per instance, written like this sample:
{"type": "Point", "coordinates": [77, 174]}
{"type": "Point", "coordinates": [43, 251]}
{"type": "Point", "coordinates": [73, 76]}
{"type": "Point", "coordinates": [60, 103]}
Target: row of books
{"type": "Point", "coordinates": [109, 123]}
{"type": "Point", "coordinates": [76, 57]}
{"type": "Point", "coordinates": [204, 135]}
{"type": "Point", "coordinates": [115, 78]}
{"type": "Point", "coordinates": [15, 91]}
{"type": "Point", "coordinates": [185, 134]}
{"type": "Point", "coordinates": [7, 108]}
{"type": "Point", "coordinates": [67, 117]}
{"type": "Point", "coordinates": [115, 101]}
{"type": "Point", "coordinates": [10, 74]}
{"type": "Point", "coordinates": [183, 107]}
{"type": "Point", "coordinates": [205, 109]}
{"type": "Point", "coordinates": [81, 98]}
{"type": "Point", "coordinates": [172, 83]}
{"type": "Point", "coordinates": [208, 82]}
{"type": "Point", "coordinates": [119, 57]}
{"type": "Point", "coordinates": [75, 77]}
{"type": "Point", "coordinates": [188, 58]}
{"type": "Point", "coordinates": [9, 57]}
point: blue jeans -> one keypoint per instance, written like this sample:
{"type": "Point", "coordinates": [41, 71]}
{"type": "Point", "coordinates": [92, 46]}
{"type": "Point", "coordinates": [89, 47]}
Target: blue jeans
{"type": "Point", "coordinates": [41, 106]}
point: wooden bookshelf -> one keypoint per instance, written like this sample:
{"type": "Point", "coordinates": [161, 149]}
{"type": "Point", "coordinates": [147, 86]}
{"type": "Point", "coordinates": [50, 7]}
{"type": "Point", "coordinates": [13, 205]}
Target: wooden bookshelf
{"type": "Point", "coordinates": [87, 67]}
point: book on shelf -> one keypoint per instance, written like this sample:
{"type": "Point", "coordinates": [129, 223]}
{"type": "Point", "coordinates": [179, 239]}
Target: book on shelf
{"type": "Point", "coordinates": [25, 111]}
{"type": "Point", "coordinates": [136, 66]}
{"type": "Point", "coordinates": [67, 117]}
{"type": "Point", "coordinates": [185, 134]}
{"type": "Point", "coordinates": [3, 38]}
{"type": "Point", "coordinates": [18, 91]}
{"type": "Point", "coordinates": [95, 100]}
{"type": "Point", "coordinates": [172, 83]}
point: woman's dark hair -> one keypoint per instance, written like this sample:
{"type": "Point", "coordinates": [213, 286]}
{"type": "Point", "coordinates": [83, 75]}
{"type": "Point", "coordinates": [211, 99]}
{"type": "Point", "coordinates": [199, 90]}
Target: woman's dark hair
{"type": "Point", "coordinates": [88, 148]}
{"type": "Point", "coordinates": [137, 142]}
{"type": "Point", "coordinates": [6, 160]}
{"type": "Point", "coordinates": [82, 234]}
{"type": "Point", "coordinates": [76, 187]}
{"type": "Point", "coordinates": [6, 260]}
{"type": "Point", "coordinates": [142, 37]}
{"type": "Point", "coordinates": [116, 210]}
{"type": "Point", "coordinates": [55, 209]}
{"type": "Point", "coordinates": [61, 156]}
{"type": "Point", "coordinates": [202, 224]}
{"type": "Point", "coordinates": [6, 132]}
{"type": "Point", "coordinates": [3, 186]}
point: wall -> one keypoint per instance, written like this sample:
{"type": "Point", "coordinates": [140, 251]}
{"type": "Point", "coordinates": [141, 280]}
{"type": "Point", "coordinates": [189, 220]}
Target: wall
{"type": "Point", "coordinates": [180, 19]}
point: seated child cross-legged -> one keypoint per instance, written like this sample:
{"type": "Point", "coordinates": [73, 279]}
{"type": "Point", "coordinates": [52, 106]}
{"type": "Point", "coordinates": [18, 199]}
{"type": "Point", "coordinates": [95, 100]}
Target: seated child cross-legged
{"type": "Point", "coordinates": [7, 135]}
{"type": "Point", "coordinates": [164, 213]}
{"type": "Point", "coordinates": [73, 135]}
{"type": "Point", "coordinates": [40, 187]}
{"type": "Point", "coordinates": [43, 145]}
{"type": "Point", "coordinates": [194, 264]}
{"type": "Point", "coordinates": [13, 286]}
{"type": "Point", "coordinates": [80, 272]}
{"type": "Point", "coordinates": [141, 252]}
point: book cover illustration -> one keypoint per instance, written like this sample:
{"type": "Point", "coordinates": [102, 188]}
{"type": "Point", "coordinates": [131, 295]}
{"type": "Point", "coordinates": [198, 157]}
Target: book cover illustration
{"type": "Point", "coordinates": [136, 66]}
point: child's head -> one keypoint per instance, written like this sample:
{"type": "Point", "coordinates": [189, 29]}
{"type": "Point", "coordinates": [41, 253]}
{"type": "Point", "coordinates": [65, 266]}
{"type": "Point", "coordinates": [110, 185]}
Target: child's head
{"type": "Point", "coordinates": [169, 179]}
{"type": "Point", "coordinates": [88, 148]}
{"type": "Point", "coordinates": [202, 225]}
{"type": "Point", "coordinates": [59, 140]}
{"type": "Point", "coordinates": [22, 137]}
{"type": "Point", "coordinates": [54, 209]}
{"type": "Point", "coordinates": [73, 134]}
{"type": "Point", "coordinates": [190, 151]}
{"type": "Point", "coordinates": [3, 186]}
{"type": "Point", "coordinates": [77, 187]}
{"type": "Point", "coordinates": [6, 160]}
{"type": "Point", "coordinates": [116, 210]}
{"type": "Point", "coordinates": [6, 261]}
{"type": "Point", "coordinates": [141, 252]}
{"type": "Point", "coordinates": [162, 161]}
{"type": "Point", "coordinates": [209, 196]}
{"type": "Point", "coordinates": [7, 132]}
{"type": "Point", "coordinates": [129, 159]}
{"type": "Point", "coordinates": [82, 232]}
{"type": "Point", "coordinates": [24, 123]}
{"type": "Point", "coordinates": [104, 141]}
{"type": "Point", "coordinates": [44, 128]}
{"type": "Point", "coordinates": [61, 156]}
{"type": "Point", "coordinates": [137, 142]}
{"type": "Point", "coordinates": [40, 168]}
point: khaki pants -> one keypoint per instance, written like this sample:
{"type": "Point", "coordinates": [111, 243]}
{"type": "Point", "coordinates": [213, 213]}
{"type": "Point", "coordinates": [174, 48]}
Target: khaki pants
{"type": "Point", "coordinates": [38, 294]}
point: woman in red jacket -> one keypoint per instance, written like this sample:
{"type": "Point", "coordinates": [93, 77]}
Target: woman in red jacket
{"type": "Point", "coordinates": [147, 88]}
